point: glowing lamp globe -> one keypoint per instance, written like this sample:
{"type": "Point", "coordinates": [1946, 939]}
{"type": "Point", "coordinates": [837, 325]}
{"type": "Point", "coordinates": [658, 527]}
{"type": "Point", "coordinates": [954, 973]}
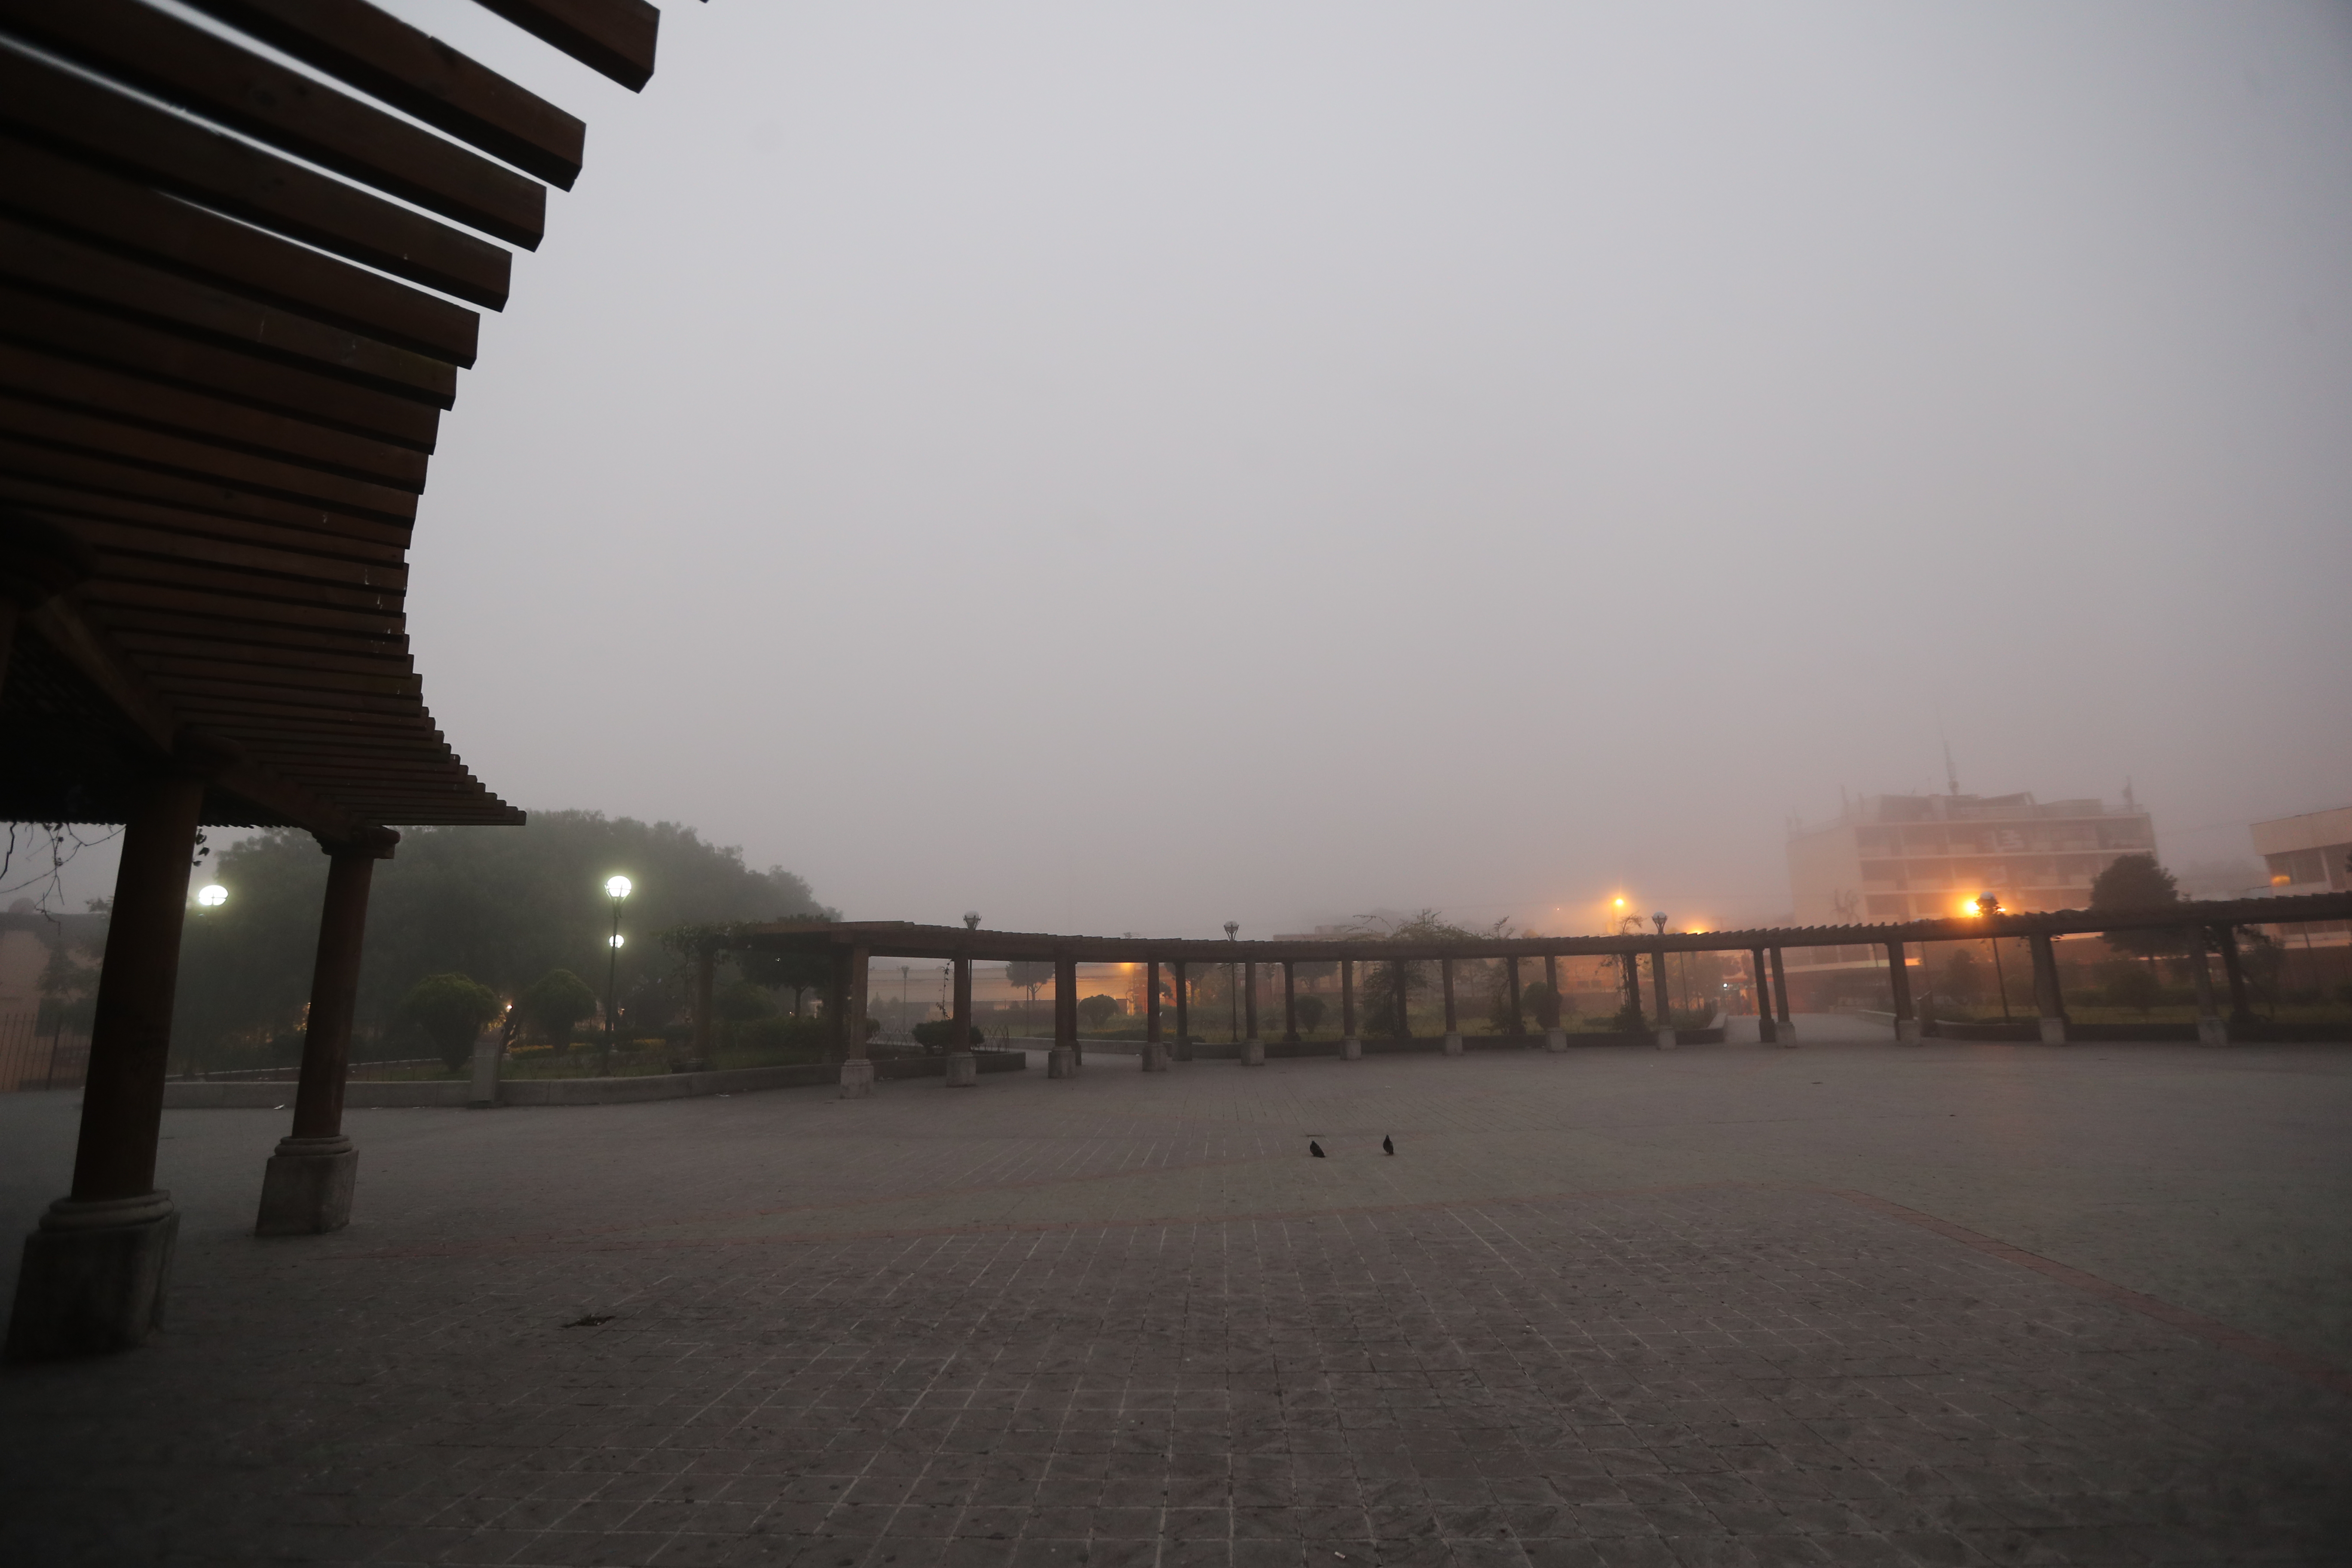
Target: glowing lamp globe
{"type": "Point", "coordinates": [212, 896]}
{"type": "Point", "coordinates": [618, 887]}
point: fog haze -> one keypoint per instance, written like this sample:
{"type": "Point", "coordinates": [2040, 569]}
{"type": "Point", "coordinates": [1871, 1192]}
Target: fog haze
{"type": "Point", "coordinates": [1124, 468]}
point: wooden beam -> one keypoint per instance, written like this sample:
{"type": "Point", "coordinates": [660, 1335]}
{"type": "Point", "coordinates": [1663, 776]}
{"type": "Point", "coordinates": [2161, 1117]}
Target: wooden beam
{"type": "Point", "coordinates": [418, 75]}
{"type": "Point", "coordinates": [613, 37]}
{"type": "Point", "coordinates": [206, 248]}
{"type": "Point", "coordinates": [110, 128]}
{"type": "Point", "coordinates": [197, 69]}
{"type": "Point", "coordinates": [109, 481]}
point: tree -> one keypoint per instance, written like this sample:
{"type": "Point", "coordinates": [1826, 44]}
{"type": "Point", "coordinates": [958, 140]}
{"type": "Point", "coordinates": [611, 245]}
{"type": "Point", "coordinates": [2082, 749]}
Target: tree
{"type": "Point", "coordinates": [1096, 1011]}
{"type": "Point", "coordinates": [555, 1002]}
{"type": "Point", "coordinates": [1028, 973]}
{"type": "Point", "coordinates": [2129, 984]}
{"type": "Point", "coordinates": [450, 1010]}
{"type": "Point", "coordinates": [1543, 1003]}
{"type": "Point", "coordinates": [1389, 987]}
{"type": "Point", "coordinates": [2137, 883]}
{"type": "Point", "coordinates": [503, 904]}
{"type": "Point", "coordinates": [741, 1002]}
{"type": "Point", "coordinates": [1310, 1013]}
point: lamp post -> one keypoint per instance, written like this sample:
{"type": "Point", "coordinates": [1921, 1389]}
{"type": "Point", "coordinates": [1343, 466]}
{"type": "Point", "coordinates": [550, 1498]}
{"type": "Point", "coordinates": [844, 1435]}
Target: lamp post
{"type": "Point", "coordinates": [1988, 906]}
{"type": "Point", "coordinates": [616, 888]}
{"type": "Point", "coordinates": [1232, 982]}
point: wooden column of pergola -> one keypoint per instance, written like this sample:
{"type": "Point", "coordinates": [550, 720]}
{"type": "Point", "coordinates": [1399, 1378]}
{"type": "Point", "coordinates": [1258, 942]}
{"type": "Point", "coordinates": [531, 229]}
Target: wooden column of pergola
{"type": "Point", "coordinates": [229, 291]}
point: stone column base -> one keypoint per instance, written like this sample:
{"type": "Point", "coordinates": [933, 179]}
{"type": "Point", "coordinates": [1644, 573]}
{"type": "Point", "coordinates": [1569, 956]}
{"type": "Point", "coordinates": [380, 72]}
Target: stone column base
{"type": "Point", "coordinates": [1907, 1032]}
{"type": "Point", "coordinates": [486, 1052]}
{"type": "Point", "coordinates": [1666, 1039]}
{"type": "Point", "coordinates": [306, 1188]}
{"type": "Point", "coordinates": [1766, 1034]}
{"type": "Point", "coordinates": [2054, 1031]}
{"type": "Point", "coordinates": [1154, 1056]}
{"type": "Point", "coordinates": [1351, 1050]}
{"type": "Point", "coordinates": [2212, 1031]}
{"type": "Point", "coordinates": [1253, 1053]}
{"type": "Point", "coordinates": [963, 1070]}
{"type": "Point", "coordinates": [856, 1079]}
{"type": "Point", "coordinates": [1555, 1040]}
{"type": "Point", "coordinates": [1061, 1062]}
{"type": "Point", "coordinates": [1451, 1045]}
{"type": "Point", "coordinates": [94, 1277]}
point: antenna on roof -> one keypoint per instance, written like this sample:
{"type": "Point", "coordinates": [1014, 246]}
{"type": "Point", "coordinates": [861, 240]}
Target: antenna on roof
{"type": "Point", "coordinates": [1951, 773]}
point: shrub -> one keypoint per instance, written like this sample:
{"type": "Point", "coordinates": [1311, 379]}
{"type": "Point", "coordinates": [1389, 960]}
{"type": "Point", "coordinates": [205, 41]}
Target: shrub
{"type": "Point", "coordinates": [1096, 1011]}
{"type": "Point", "coordinates": [555, 1002]}
{"type": "Point", "coordinates": [938, 1035]}
{"type": "Point", "coordinates": [449, 1011]}
{"type": "Point", "coordinates": [1310, 1013]}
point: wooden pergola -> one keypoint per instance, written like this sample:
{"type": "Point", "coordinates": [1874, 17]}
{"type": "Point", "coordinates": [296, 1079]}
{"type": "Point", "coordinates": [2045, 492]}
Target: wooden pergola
{"type": "Point", "coordinates": [2207, 928]}
{"type": "Point", "coordinates": [235, 296]}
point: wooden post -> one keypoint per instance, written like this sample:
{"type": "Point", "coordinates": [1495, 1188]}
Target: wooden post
{"type": "Point", "coordinates": [1667, 1039]}
{"type": "Point", "coordinates": [1629, 974]}
{"type": "Point", "coordinates": [96, 1272]}
{"type": "Point", "coordinates": [848, 1003]}
{"type": "Point", "coordinates": [2212, 1029]}
{"type": "Point", "coordinates": [1183, 1012]}
{"type": "Point", "coordinates": [1249, 1001]}
{"type": "Point", "coordinates": [2242, 1011]}
{"type": "Point", "coordinates": [1351, 1045]}
{"type": "Point", "coordinates": [306, 1188]}
{"type": "Point", "coordinates": [1765, 1033]}
{"type": "Point", "coordinates": [964, 1068]}
{"type": "Point", "coordinates": [1063, 1061]}
{"type": "Point", "coordinates": [1155, 1050]}
{"type": "Point", "coordinates": [1452, 1044]}
{"type": "Point", "coordinates": [1511, 982]}
{"type": "Point", "coordinates": [705, 975]}
{"type": "Point", "coordinates": [2046, 994]}
{"type": "Point", "coordinates": [1290, 1001]}
{"type": "Point", "coordinates": [1555, 1032]}
{"type": "Point", "coordinates": [1400, 971]}
{"type": "Point", "coordinates": [1786, 1027]}
{"type": "Point", "coordinates": [1898, 981]}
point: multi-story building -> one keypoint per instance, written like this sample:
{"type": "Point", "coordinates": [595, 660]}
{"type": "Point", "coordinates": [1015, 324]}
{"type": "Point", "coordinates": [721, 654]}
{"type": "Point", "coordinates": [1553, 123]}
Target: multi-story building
{"type": "Point", "coordinates": [1916, 857]}
{"type": "Point", "coordinates": [2308, 853]}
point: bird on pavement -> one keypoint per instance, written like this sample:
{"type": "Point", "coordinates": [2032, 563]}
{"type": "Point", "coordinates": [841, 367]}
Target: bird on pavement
{"type": "Point", "coordinates": [1387, 1146]}
{"type": "Point", "coordinates": [1314, 1149]}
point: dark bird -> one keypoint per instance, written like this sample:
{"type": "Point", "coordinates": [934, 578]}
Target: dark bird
{"type": "Point", "coordinates": [1386, 1146]}
{"type": "Point", "coordinates": [1314, 1149]}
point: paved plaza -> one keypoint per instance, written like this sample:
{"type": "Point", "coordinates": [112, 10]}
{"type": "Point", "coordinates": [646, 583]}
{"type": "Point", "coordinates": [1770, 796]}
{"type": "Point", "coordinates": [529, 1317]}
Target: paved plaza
{"type": "Point", "coordinates": [1842, 1304]}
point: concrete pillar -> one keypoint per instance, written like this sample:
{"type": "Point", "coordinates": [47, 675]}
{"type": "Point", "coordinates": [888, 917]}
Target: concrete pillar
{"type": "Point", "coordinates": [96, 1272]}
{"type": "Point", "coordinates": [1179, 982]}
{"type": "Point", "coordinates": [1667, 1038]}
{"type": "Point", "coordinates": [2046, 994]}
{"type": "Point", "coordinates": [1898, 981]}
{"type": "Point", "coordinates": [1761, 980]}
{"type": "Point", "coordinates": [2225, 938]}
{"type": "Point", "coordinates": [1783, 1026]}
{"type": "Point", "coordinates": [489, 1050]}
{"type": "Point", "coordinates": [2212, 1029]}
{"type": "Point", "coordinates": [963, 1069]}
{"type": "Point", "coordinates": [1352, 1045]}
{"type": "Point", "coordinates": [306, 1188]}
{"type": "Point", "coordinates": [1066, 1012]}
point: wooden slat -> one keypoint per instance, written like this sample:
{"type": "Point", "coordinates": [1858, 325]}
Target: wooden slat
{"type": "Point", "coordinates": [136, 525]}
{"type": "Point", "coordinates": [168, 670]}
{"type": "Point", "coordinates": [245, 638]}
{"type": "Point", "coordinates": [71, 112]}
{"type": "Point", "coordinates": [417, 74]}
{"type": "Point", "coordinates": [29, 462]}
{"type": "Point", "coordinates": [275, 572]}
{"type": "Point", "coordinates": [178, 454]}
{"type": "Point", "coordinates": [191, 602]}
{"type": "Point", "coordinates": [180, 361]}
{"type": "Point", "coordinates": [168, 653]}
{"type": "Point", "coordinates": [613, 37]}
{"type": "Point", "coordinates": [196, 69]}
{"type": "Point", "coordinates": [44, 377]}
{"type": "Point", "coordinates": [247, 588]}
{"type": "Point", "coordinates": [389, 387]}
{"type": "Point", "coordinates": [194, 692]}
{"type": "Point", "coordinates": [219, 253]}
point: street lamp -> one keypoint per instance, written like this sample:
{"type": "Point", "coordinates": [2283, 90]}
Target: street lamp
{"type": "Point", "coordinates": [616, 888]}
{"type": "Point", "coordinates": [1232, 982]}
{"type": "Point", "coordinates": [211, 895]}
{"type": "Point", "coordinates": [972, 919]}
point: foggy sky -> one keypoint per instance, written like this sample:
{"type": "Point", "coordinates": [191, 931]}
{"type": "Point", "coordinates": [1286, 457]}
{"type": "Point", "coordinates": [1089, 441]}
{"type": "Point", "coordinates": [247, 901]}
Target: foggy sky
{"type": "Point", "coordinates": [1129, 468]}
